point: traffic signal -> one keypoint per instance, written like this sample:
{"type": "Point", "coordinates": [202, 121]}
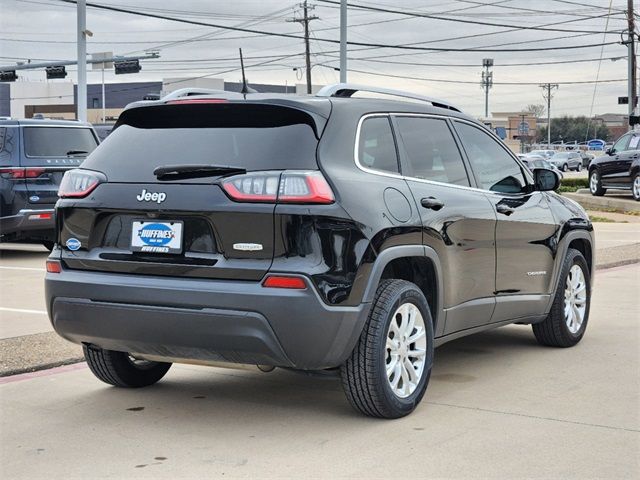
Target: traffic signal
{"type": "Point", "coordinates": [127, 66]}
{"type": "Point", "coordinates": [58, 71]}
{"type": "Point", "coordinates": [8, 76]}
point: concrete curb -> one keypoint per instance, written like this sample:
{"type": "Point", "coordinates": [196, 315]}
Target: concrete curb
{"type": "Point", "coordinates": [588, 201]}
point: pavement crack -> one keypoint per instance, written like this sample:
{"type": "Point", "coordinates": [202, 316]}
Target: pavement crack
{"type": "Point", "coordinates": [536, 417]}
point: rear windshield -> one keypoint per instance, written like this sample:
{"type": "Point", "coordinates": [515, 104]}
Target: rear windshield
{"type": "Point", "coordinates": [63, 142]}
{"type": "Point", "coordinates": [253, 141]}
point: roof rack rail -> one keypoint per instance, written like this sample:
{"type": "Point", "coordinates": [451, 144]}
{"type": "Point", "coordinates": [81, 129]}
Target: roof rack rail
{"type": "Point", "coordinates": [348, 89]}
{"type": "Point", "coordinates": [189, 92]}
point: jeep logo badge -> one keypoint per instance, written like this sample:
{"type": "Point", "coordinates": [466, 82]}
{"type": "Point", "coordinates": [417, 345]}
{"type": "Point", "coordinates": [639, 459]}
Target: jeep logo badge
{"type": "Point", "coordinates": [151, 197]}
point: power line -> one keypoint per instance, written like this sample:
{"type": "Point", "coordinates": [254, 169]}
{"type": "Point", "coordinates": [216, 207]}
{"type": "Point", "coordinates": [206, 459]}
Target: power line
{"type": "Point", "coordinates": [363, 44]}
{"type": "Point", "coordinates": [471, 82]}
{"type": "Point", "coordinates": [474, 22]}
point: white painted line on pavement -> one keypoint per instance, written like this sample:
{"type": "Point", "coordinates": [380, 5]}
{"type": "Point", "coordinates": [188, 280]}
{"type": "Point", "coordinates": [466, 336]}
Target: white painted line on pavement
{"type": "Point", "coordinates": [23, 310]}
{"type": "Point", "coordinates": [23, 268]}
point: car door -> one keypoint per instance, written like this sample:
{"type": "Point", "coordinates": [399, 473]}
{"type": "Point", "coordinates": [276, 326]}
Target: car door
{"type": "Point", "coordinates": [525, 230]}
{"type": "Point", "coordinates": [626, 158]}
{"type": "Point", "coordinates": [612, 170]}
{"type": "Point", "coordinates": [458, 222]}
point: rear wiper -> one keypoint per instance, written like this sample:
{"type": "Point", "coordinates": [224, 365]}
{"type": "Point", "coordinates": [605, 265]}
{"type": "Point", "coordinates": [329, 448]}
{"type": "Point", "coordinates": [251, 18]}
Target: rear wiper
{"type": "Point", "coordinates": [182, 172]}
{"type": "Point", "coordinates": [76, 152]}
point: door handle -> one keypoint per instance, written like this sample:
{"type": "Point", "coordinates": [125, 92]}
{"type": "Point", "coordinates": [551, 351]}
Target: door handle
{"type": "Point", "coordinates": [504, 209]}
{"type": "Point", "coordinates": [431, 203]}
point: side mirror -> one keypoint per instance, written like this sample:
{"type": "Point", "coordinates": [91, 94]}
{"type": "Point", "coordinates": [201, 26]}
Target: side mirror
{"type": "Point", "coordinates": [546, 180]}
{"type": "Point", "coordinates": [610, 151]}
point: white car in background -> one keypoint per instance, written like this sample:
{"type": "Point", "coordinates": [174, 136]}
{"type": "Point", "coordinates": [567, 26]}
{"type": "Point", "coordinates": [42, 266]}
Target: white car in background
{"type": "Point", "coordinates": [566, 161]}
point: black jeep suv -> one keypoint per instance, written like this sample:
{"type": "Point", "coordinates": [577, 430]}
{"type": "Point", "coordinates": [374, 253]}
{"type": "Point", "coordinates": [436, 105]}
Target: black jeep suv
{"type": "Point", "coordinates": [34, 154]}
{"type": "Point", "coordinates": [619, 168]}
{"type": "Point", "coordinates": [310, 233]}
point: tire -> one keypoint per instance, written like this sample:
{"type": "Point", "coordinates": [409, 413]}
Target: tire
{"type": "Point", "coordinates": [48, 244]}
{"type": "Point", "coordinates": [579, 167]}
{"type": "Point", "coordinates": [565, 168]}
{"type": "Point", "coordinates": [120, 370]}
{"type": "Point", "coordinates": [635, 187]}
{"type": "Point", "coordinates": [555, 330]}
{"type": "Point", "coordinates": [595, 184]}
{"type": "Point", "coordinates": [366, 383]}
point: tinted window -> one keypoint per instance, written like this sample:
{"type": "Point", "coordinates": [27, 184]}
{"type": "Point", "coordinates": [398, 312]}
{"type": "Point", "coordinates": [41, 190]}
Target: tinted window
{"type": "Point", "coordinates": [495, 168]}
{"type": "Point", "coordinates": [8, 151]}
{"type": "Point", "coordinates": [57, 141]}
{"type": "Point", "coordinates": [132, 152]}
{"type": "Point", "coordinates": [621, 144]}
{"type": "Point", "coordinates": [634, 144]}
{"type": "Point", "coordinates": [377, 148]}
{"type": "Point", "coordinates": [432, 150]}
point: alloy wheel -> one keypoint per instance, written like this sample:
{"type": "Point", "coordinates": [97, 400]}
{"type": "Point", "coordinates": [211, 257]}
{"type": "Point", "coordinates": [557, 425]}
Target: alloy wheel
{"type": "Point", "coordinates": [575, 299]}
{"type": "Point", "coordinates": [636, 187]}
{"type": "Point", "coordinates": [406, 350]}
{"type": "Point", "coordinates": [593, 182]}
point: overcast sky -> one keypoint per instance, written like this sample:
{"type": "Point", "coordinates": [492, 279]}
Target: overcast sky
{"type": "Point", "coordinates": [44, 30]}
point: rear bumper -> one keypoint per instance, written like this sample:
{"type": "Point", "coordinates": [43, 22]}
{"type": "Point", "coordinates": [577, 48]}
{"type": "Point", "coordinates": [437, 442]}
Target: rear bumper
{"type": "Point", "coordinates": [209, 320]}
{"type": "Point", "coordinates": [27, 223]}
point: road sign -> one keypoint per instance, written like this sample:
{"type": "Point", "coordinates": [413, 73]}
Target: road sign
{"type": "Point", "coordinates": [101, 56]}
{"type": "Point", "coordinates": [523, 128]}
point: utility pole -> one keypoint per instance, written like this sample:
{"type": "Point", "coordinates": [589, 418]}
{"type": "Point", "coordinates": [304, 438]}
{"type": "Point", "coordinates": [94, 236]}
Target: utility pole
{"type": "Point", "coordinates": [304, 20]}
{"type": "Point", "coordinates": [343, 41]}
{"type": "Point", "coordinates": [487, 83]}
{"type": "Point", "coordinates": [547, 95]}
{"type": "Point", "coordinates": [81, 112]}
{"type": "Point", "coordinates": [632, 92]}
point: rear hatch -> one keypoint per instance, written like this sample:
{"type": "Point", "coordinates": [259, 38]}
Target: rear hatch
{"type": "Point", "coordinates": [49, 151]}
{"type": "Point", "coordinates": [186, 224]}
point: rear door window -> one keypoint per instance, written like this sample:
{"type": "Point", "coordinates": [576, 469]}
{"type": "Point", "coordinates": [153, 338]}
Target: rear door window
{"type": "Point", "coordinates": [431, 150]}
{"type": "Point", "coordinates": [495, 169]}
{"type": "Point", "coordinates": [58, 142]}
{"type": "Point", "coordinates": [377, 148]}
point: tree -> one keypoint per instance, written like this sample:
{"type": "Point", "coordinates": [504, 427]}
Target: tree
{"type": "Point", "coordinates": [535, 109]}
{"type": "Point", "coordinates": [573, 129]}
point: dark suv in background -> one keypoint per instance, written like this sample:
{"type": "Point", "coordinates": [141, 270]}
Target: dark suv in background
{"type": "Point", "coordinates": [331, 233]}
{"type": "Point", "coordinates": [34, 154]}
{"type": "Point", "coordinates": [619, 168]}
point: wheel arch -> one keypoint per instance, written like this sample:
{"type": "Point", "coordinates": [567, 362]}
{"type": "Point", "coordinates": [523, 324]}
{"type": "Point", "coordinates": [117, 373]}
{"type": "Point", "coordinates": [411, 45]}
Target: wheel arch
{"type": "Point", "coordinates": [581, 240]}
{"type": "Point", "coordinates": [415, 263]}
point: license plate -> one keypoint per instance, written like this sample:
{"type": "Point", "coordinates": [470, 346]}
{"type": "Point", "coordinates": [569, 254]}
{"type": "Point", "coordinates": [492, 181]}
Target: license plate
{"type": "Point", "coordinates": [156, 237]}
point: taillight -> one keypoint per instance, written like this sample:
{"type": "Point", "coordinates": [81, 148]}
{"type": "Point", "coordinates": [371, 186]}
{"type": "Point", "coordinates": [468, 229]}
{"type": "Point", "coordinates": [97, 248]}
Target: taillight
{"type": "Point", "coordinates": [20, 173]}
{"type": "Point", "coordinates": [78, 183]}
{"type": "Point", "coordinates": [290, 186]}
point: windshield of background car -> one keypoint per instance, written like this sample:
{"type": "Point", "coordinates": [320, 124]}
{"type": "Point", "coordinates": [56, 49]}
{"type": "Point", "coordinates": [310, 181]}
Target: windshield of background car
{"type": "Point", "coordinates": [60, 145]}
{"type": "Point", "coordinates": [560, 155]}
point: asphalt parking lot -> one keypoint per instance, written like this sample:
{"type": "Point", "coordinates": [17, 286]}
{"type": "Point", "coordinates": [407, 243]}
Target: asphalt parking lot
{"type": "Point", "coordinates": [498, 406]}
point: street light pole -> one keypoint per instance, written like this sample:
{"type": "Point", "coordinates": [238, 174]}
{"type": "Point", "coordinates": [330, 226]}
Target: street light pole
{"type": "Point", "coordinates": [343, 41]}
{"type": "Point", "coordinates": [81, 113]}
{"type": "Point", "coordinates": [104, 101]}
{"type": "Point", "coordinates": [487, 83]}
